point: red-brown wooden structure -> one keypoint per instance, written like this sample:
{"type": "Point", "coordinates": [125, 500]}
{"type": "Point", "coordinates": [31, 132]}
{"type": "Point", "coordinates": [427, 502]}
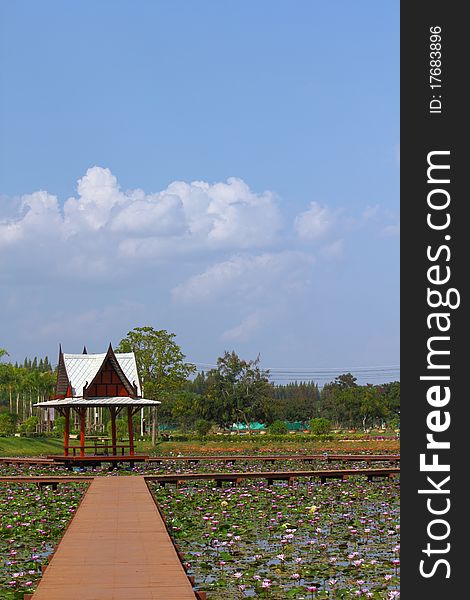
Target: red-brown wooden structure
{"type": "Point", "coordinates": [97, 380]}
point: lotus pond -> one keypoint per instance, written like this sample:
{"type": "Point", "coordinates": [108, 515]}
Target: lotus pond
{"type": "Point", "coordinates": [306, 541]}
{"type": "Point", "coordinates": [32, 522]}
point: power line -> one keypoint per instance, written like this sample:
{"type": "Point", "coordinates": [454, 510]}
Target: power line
{"type": "Point", "coordinates": [316, 371]}
{"type": "Point", "coordinates": [313, 368]}
{"type": "Point", "coordinates": [282, 375]}
{"type": "Point", "coordinates": [331, 369]}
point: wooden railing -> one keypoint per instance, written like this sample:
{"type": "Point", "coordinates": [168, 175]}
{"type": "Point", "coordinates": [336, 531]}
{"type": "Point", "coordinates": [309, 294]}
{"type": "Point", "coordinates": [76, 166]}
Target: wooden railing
{"type": "Point", "coordinates": [101, 449]}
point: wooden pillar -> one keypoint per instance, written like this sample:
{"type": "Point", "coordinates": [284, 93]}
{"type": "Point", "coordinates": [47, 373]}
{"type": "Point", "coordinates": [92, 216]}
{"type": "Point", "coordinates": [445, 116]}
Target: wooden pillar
{"type": "Point", "coordinates": [112, 410]}
{"type": "Point", "coordinates": [82, 430]}
{"type": "Point", "coordinates": [154, 425]}
{"type": "Point", "coordinates": [130, 427]}
{"type": "Point", "coordinates": [66, 430]}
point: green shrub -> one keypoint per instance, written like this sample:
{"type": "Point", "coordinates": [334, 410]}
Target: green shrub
{"type": "Point", "coordinates": [29, 426]}
{"type": "Point", "coordinates": [319, 426]}
{"type": "Point", "coordinates": [278, 428]}
{"type": "Point", "coordinates": [202, 427]}
{"type": "Point", "coordinates": [59, 425]}
{"type": "Point", "coordinates": [121, 429]}
{"type": "Point", "coordinates": [7, 423]}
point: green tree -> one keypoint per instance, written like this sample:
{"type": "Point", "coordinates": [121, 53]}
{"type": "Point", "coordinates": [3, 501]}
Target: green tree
{"type": "Point", "coordinates": [186, 409]}
{"type": "Point", "coordinates": [59, 425]}
{"type": "Point", "coordinates": [3, 353]}
{"type": "Point", "coordinates": [238, 390]}
{"type": "Point", "coordinates": [7, 424]}
{"type": "Point", "coordinates": [319, 425]}
{"type": "Point", "coordinates": [199, 384]}
{"type": "Point", "coordinates": [391, 396]}
{"type": "Point", "coordinates": [30, 425]}
{"type": "Point", "coordinates": [338, 400]}
{"type": "Point", "coordinates": [371, 406]}
{"type": "Point", "coordinates": [202, 427]}
{"type": "Point", "coordinates": [278, 428]}
{"type": "Point", "coordinates": [352, 405]}
{"type": "Point", "coordinates": [349, 400]}
{"type": "Point", "coordinates": [121, 429]}
{"type": "Point", "coordinates": [8, 383]}
{"type": "Point", "coordinates": [295, 401]}
{"type": "Point", "coordinates": [346, 380]}
{"type": "Point", "coordinates": [160, 363]}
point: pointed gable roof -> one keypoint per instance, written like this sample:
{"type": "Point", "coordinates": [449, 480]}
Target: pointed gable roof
{"type": "Point", "coordinates": [82, 368]}
{"type": "Point", "coordinates": [100, 382]}
{"type": "Point", "coordinates": [63, 386]}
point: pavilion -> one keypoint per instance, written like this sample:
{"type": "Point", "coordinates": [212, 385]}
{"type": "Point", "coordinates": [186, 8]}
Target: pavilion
{"type": "Point", "coordinates": [98, 380]}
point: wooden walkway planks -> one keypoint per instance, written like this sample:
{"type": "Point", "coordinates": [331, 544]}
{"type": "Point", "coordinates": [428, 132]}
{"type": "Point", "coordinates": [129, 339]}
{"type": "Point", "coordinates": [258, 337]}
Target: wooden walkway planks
{"type": "Point", "coordinates": [45, 478]}
{"type": "Point", "coordinates": [275, 457]}
{"type": "Point", "coordinates": [271, 476]}
{"type": "Point", "coordinates": [31, 461]}
{"type": "Point", "coordinates": [228, 476]}
{"type": "Point", "coordinates": [115, 548]}
{"type": "Point", "coordinates": [53, 460]}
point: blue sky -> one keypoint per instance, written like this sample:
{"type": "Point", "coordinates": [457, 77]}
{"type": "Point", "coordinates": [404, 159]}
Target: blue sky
{"type": "Point", "coordinates": [228, 171]}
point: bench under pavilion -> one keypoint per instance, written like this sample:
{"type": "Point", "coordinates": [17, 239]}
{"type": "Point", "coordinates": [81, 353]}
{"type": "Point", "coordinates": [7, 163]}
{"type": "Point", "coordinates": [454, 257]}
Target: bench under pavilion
{"type": "Point", "coordinates": [108, 380]}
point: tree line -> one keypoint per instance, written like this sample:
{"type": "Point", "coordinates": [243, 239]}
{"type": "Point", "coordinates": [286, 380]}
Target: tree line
{"type": "Point", "coordinates": [240, 391]}
{"type": "Point", "coordinates": [21, 386]}
{"type": "Point", "coordinates": [237, 390]}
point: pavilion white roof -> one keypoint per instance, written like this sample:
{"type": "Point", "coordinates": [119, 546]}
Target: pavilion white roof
{"type": "Point", "coordinates": [112, 401]}
{"type": "Point", "coordinates": [83, 367]}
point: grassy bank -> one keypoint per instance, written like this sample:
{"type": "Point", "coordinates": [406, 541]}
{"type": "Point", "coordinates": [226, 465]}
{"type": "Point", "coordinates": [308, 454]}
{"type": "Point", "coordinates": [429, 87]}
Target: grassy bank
{"type": "Point", "coordinates": [244, 446]}
{"type": "Point", "coordinates": [22, 446]}
{"type": "Point", "coordinates": [15, 446]}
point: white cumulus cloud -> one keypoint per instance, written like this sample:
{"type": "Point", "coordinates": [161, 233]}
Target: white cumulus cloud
{"type": "Point", "coordinates": [315, 222]}
{"type": "Point", "coordinates": [386, 221]}
{"type": "Point", "coordinates": [249, 277]}
{"type": "Point", "coordinates": [103, 222]}
{"type": "Point", "coordinates": [244, 330]}
{"type": "Point", "coordinates": [334, 250]}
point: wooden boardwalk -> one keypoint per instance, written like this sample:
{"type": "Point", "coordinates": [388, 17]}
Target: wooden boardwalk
{"type": "Point", "coordinates": [91, 459]}
{"type": "Point", "coordinates": [275, 457]}
{"type": "Point", "coordinates": [271, 476]}
{"type": "Point", "coordinates": [46, 478]}
{"type": "Point", "coordinates": [115, 548]}
{"type": "Point", "coordinates": [27, 460]}
{"type": "Point", "coordinates": [233, 476]}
